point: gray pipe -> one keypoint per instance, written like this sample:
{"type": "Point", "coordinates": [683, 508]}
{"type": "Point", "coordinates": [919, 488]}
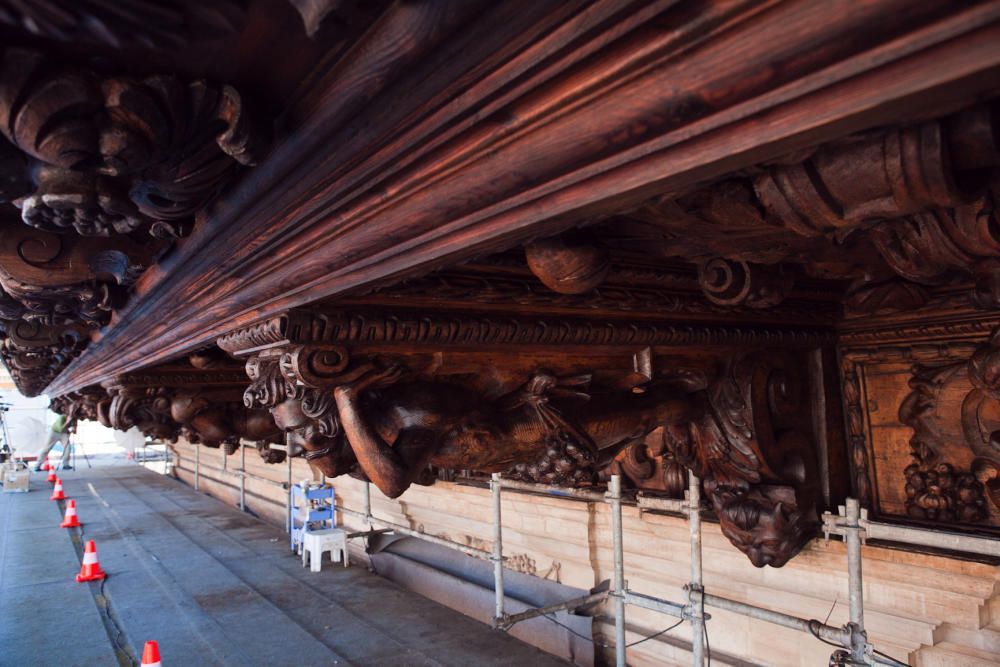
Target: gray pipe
{"type": "Point", "coordinates": [696, 602]}
{"type": "Point", "coordinates": [498, 616]}
{"type": "Point", "coordinates": [615, 497]}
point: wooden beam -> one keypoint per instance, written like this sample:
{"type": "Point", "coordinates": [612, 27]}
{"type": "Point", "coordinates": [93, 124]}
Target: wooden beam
{"type": "Point", "coordinates": [451, 130]}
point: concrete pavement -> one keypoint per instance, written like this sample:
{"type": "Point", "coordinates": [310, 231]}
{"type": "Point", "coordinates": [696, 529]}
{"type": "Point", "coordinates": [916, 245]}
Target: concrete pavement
{"type": "Point", "coordinates": [212, 585]}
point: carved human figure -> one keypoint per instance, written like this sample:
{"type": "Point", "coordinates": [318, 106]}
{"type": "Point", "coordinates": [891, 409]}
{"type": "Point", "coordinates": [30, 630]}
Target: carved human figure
{"type": "Point", "coordinates": [395, 428]}
{"type": "Point", "coordinates": [215, 422]}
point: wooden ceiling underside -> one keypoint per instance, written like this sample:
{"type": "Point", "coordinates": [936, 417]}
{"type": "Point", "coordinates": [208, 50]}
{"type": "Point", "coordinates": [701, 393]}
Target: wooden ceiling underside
{"type": "Point", "coordinates": [685, 223]}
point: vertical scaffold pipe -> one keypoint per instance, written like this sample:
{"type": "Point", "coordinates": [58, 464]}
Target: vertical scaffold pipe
{"type": "Point", "coordinates": [615, 496]}
{"type": "Point", "coordinates": [696, 602]}
{"type": "Point", "coordinates": [288, 496]}
{"type": "Point", "coordinates": [243, 478]}
{"type": "Point", "coordinates": [197, 467]}
{"type": "Point", "coordinates": [497, 557]}
{"type": "Point", "coordinates": [852, 536]}
{"type": "Point", "coordinates": [368, 504]}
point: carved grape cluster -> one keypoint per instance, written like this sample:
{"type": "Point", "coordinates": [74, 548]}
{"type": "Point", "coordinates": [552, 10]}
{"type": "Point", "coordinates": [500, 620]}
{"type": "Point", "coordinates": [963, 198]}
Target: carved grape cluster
{"type": "Point", "coordinates": [941, 493]}
{"type": "Point", "coordinates": [564, 463]}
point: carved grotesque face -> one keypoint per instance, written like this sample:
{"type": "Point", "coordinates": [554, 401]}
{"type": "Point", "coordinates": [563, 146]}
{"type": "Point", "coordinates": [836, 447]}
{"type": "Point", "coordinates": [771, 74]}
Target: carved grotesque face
{"type": "Point", "coordinates": [288, 415]}
{"type": "Point", "coordinates": [763, 523]}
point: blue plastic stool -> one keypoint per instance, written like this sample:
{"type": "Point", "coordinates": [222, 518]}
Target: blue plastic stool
{"type": "Point", "coordinates": [312, 510]}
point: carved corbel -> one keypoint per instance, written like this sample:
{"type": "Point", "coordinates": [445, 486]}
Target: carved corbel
{"type": "Point", "coordinates": [35, 353]}
{"type": "Point", "coordinates": [751, 449]}
{"type": "Point", "coordinates": [892, 174]}
{"type": "Point", "coordinates": [213, 420]}
{"type": "Point", "coordinates": [113, 155]}
{"type": "Point", "coordinates": [146, 408]}
{"type": "Point", "coordinates": [891, 210]}
{"type": "Point", "coordinates": [295, 385]}
{"type": "Point", "coordinates": [85, 404]}
{"type": "Point", "coordinates": [63, 279]}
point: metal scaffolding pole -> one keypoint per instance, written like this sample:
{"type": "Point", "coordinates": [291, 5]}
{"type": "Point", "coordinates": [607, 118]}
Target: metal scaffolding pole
{"type": "Point", "coordinates": [694, 601]}
{"type": "Point", "coordinates": [497, 558]}
{"type": "Point", "coordinates": [243, 478]}
{"type": "Point", "coordinates": [368, 503]}
{"type": "Point", "coordinates": [288, 496]}
{"type": "Point", "coordinates": [615, 497]}
{"type": "Point", "coordinates": [481, 554]}
{"type": "Point", "coordinates": [852, 536]}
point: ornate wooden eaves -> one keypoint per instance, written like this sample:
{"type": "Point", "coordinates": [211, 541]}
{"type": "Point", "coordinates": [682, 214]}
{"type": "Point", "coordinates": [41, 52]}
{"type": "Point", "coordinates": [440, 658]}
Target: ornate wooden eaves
{"type": "Point", "coordinates": [427, 181]}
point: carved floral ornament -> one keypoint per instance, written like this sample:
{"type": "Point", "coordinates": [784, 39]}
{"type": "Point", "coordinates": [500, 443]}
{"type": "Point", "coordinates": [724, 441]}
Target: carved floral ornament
{"type": "Point", "coordinates": [953, 409]}
{"type": "Point", "coordinates": [953, 412]}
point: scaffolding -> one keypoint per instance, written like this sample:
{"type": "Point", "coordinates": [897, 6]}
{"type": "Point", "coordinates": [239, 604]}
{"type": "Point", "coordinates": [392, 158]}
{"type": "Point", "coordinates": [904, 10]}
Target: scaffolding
{"type": "Point", "coordinates": [851, 523]}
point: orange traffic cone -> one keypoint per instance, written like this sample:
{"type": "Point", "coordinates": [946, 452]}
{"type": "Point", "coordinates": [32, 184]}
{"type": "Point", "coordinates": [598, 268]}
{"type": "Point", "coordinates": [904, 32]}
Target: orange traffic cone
{"type": "Point", "coordinates": [70, 521]}
{"type": "Point", "coordinates": [91, 569]}
{"type": "Point", "coordinates": [44, 466]}
{"type": "Point", "coordinates": [151, 655]}
{"type": "Point", "coordinates": [52, 473]}
{"type": "Point", "coordinates": [57, 491]}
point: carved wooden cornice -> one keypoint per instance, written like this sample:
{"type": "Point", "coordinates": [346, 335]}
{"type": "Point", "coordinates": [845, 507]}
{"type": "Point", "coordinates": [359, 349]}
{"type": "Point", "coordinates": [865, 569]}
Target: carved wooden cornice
{"type": "Point", "coordinates": [404, 327]}
{"type": "Point", "coordinates": [445, 182]}
{"type": "Point", "coordinates": [632, 285]}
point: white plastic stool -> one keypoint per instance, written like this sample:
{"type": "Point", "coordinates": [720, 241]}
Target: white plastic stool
{"type": "Point", "coordinates": [314, 543]}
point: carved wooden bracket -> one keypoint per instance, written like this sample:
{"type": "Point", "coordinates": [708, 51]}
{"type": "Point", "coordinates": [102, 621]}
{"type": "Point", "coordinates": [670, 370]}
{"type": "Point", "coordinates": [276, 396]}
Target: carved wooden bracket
{"type": "Point", "coordinates": [904, 208]}
{"type": "Point", "coordinates": [384, 399]}
{"type": "Point", "coordinates": [203, 406]}
{"type": "Point", "coordinates": [112, 155]}
{"type": "Point", "coordinates": [752, 448]}
{"type": "Point", "coordinates": [35, 353]}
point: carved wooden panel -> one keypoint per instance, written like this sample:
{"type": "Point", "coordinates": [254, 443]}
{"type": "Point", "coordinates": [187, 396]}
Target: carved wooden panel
{"type": "Point", "coordinates": [921, 424]}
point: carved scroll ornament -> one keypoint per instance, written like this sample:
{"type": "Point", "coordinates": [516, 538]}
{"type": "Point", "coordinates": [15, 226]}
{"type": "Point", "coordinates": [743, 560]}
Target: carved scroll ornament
{"type": "Point", "coordinates": [902, 208]}
{"type": "Point", "coordinates": [113, 155]}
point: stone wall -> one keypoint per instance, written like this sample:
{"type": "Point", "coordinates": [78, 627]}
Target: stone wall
{"type": "Point", "coordinates": [919, 608]}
